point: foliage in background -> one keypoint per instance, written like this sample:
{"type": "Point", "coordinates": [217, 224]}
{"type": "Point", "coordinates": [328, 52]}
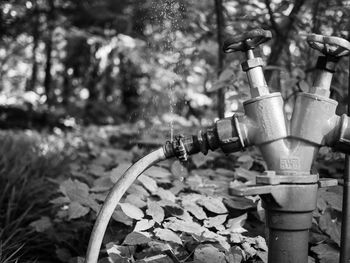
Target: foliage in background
{"type": "Point", "coordinates": [112, 61]}
{"type": "Point", "coordinates": [142, 59]}
{"type": "Point", "coordinates": [172, 213]}
{"type": "Point", "coordinates": [26, 166]}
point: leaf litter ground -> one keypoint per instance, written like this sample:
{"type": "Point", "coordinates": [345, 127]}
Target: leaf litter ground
{"type": "Point", "coordinates": [177, 213]}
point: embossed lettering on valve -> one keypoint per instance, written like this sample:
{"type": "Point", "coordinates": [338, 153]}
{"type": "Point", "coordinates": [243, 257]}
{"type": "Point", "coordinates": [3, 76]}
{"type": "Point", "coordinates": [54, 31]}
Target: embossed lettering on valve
{"type": "Point", "coordinates": [290, 163]}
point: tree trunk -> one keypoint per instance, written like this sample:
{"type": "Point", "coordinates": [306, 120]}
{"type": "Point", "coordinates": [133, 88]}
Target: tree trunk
{"type": "Point", "coordinates": [220, 25]}
{"type": "Point", "coordinates": [109, 81]}
{"type": "Point", "coordinates": [35, 33]}
{"type": "Point", "coordinates": [282, 33]}
{"type": "Point", "coordinates": [48, 47]}
{"type": "Point", "coordinates": [66, 88]}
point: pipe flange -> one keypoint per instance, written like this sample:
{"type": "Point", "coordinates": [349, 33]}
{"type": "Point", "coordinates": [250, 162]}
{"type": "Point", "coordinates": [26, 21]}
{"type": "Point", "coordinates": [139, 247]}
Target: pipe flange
{"type": "Point", "coordinates": [273, 179]}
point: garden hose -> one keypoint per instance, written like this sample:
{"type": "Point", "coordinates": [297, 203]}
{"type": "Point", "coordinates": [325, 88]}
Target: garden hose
{"type": "Point", "coordinates": [181, 147]}
{"type": "Point", "coordinates": [113, 199]}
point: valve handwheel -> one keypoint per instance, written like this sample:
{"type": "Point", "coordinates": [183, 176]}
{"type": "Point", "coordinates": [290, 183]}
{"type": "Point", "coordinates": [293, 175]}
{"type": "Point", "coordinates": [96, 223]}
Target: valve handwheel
{"type": "Point", "coordinates": [246, 41]}
{"type": "Point", "coordinates": [330, 46]}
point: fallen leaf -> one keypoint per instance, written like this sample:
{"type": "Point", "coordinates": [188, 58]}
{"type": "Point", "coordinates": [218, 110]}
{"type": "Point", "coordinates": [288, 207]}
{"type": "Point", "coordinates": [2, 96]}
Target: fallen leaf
{"type": "Point", "coordinates": [63, 254]}
{"type": "Point", "coordinates": [245, 175]}
{"type": "Point", "coordinates": [117, 172]}
{"type": "Point", "coordinates": [125, 251]}
{"type": "Point", "coordinates": [143, 224]}
{"type": "Point", "coordinates": [183, 226]}
{"type": "Point", "coordinates": [215, 221]}
{"type": "Point", "coordinates": [119, 156]}
{"type": "Point", "coordinates": [155, 211]}
{"type": "Point", "coordinates": [196, 210]}
{"type": "Point", "coordinates": [263, 255]}
{"type": "Point", "coordinates": [235, 225]}
{"type": "Point", "coordinates": [208, 235]}
{"type": "Point", "coordinates": [236, 238]}
{"type": "Point", "coordinates": [136, 238]}
{"type": "Point", "coordinates": [42, 224]}
{"type": "Point", "coordinates": [148, 182]}
{"type": "Point", "coordinates": [78, 260]}
{"type": "Point", "coordinates": [167, 235]}
{"type": "Point", "coordinates": [120, 216]}
{"type": "Point", "coordinates": [102, 184]}
{"type": "Point", "coordinates": [239, 203]}
{"type": "Point", "coordinates": [156, 259]}
{"type": "Point", "coordinates": [208, 254]}
{"type": "Point", "coordinates": [60, 200]}
{"type": "Point", "coordinates": [99, 196]}
{"type": "Point", "coordinates": [178, 186]}
{"type": "Point", "coordinates": [234, 255]}
{"type": "Point", "coordinates": [178, 170]}
{"type": "Point", "coordinates": [131, 211]}
{"type": "Point", "coordinates": [138, 190]}
{"type": "Point", "coordinates": [326, 253]}
{"type": "Point", "coordinates": [103, 160]}
{"type": "Point", "coordinates": [157, 172]}
{"type": "Point", "coordinates": [225, 172]}
{"type": "Point", "coordinates": [76, 210]}
{"type": "Point", "coordinates": [96, 169]}
{"type": "Point", "coordinates": [75, 190]}
{"type": "Point", "coordinates": [335, 200]}
{"type": "Point", "coordinates": [213, 204]}
{"type": "Point", "coordinates": [248, 249]}
{"type": "Point", "coordinates": [165, 194]}
{"type": "Point", "coordinates": [245, 161]}
{"type": "Point", "coordinates": [135, 200]}
{"type": "Point", "coordinates": [330, 226]}
{"type": "Point", "coordinates": [199, 160]}
{"type": "Point", "coordinates": [194, 181]}
{"type": "Point", "coordinates": [260, 243]}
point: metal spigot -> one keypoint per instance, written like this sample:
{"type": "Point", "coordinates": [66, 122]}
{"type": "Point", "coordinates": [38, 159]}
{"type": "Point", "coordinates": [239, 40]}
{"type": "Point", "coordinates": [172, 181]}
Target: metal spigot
{"type": "Point", "coordinates": [246, 43]}
{"type": "Point", "coordinates": [224, 134]}
{"type": "Point", "coordinates": [333, 48]}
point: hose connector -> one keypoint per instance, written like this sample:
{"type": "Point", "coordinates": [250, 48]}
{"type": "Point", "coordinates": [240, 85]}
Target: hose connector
{"type": "Point", "coordinates": [224, 134]}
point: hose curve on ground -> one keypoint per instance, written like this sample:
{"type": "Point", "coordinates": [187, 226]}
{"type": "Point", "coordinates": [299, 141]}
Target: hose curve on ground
{"type": "Point", "coordinates": [113, 199]}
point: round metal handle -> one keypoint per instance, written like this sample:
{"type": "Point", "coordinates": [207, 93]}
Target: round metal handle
{"type": "Point", "coordinates": [329, 46]}
{"type": "Point", "coordinates": [246, 41]}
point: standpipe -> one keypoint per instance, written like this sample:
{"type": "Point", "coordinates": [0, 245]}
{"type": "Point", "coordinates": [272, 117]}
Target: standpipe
{"type": "Point", "coordinates": [288, 188]}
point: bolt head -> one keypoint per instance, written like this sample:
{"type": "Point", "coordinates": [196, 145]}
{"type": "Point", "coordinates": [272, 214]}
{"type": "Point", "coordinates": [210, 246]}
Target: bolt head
{"type": "Point", "coordinates": [252, 63]}
{"type": "Point", "coordinates": [227, 134]}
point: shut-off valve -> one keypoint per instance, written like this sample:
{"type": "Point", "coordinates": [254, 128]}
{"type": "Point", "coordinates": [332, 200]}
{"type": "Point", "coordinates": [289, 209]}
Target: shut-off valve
{"type": "Point", "coordinates": [289, 146]}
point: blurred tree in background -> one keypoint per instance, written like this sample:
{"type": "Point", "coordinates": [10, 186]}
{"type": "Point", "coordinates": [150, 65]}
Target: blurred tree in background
{"type": "Point", "coordinates": [110, 61]}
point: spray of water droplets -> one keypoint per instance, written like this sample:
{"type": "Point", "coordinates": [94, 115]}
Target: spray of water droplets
{"type": "Point", "coordinates": [167, 13]}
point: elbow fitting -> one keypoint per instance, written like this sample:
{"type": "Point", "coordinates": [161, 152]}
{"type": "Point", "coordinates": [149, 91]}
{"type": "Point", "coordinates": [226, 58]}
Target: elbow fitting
{"type": "Point", "coordinates": [224, 134]}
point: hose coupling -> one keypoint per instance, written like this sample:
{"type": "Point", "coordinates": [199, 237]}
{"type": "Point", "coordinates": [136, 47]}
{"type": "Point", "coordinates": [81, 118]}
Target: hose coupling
{"type": "Point", "coordinates": [224, 134]}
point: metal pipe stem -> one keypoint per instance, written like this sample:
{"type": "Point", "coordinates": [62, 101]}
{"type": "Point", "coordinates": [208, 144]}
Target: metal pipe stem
{"type": "Point", "coordinates": [288, 246]}
{"type": "Point", "coordinates": [250, 54]}
{"type": "Point", "coordinates": [345, 228]}
{"type": "Point", "coordinates": [256, 78]}
{"type": "Point", "coordinates": [322, 83]}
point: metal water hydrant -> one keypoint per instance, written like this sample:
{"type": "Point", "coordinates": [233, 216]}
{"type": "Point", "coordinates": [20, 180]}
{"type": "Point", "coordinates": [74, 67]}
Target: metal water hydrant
{"type": "Point", "coordinates": [289, 147]}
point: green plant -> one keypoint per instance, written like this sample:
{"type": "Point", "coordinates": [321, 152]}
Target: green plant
{"type": "Point", "coordinates": [25, 167]}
